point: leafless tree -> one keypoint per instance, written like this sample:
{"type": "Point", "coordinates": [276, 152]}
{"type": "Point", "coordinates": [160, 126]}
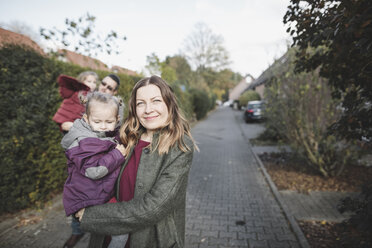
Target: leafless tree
{"type": "Point", "coordinates": [204, 49]}
{"type": "Point", "coordinates": [81, 36]}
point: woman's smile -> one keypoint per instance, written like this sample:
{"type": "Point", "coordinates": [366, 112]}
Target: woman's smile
{"type": "Point", "coordinates": [151, 117]}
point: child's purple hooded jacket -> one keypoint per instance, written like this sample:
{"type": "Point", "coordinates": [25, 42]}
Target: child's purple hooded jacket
{"type": "Point", "coordinates": [93, 167]}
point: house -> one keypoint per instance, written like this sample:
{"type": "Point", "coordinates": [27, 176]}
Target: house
{"type": "Point", "coordinates": [242, 86]}
{"type": "Point", "coordinates": [82, 60]}
{"type": "Point", "coordinates": [9, 37]}
{"type": "Point", "coordinates": [258, 85]}
{"type": "Point", "coordinates": [94, 64]}
{"type": "Point", "coordinates": [118, 69]}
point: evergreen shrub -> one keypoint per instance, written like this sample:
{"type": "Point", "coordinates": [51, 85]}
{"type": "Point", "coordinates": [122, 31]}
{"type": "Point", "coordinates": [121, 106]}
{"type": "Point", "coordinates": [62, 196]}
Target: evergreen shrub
{"type": "Point", "coordinates": [32, 160]}
{"type": "Point", "coordinates": [201, 102]}
{"type": "Point", "coordinates": [249, 95]}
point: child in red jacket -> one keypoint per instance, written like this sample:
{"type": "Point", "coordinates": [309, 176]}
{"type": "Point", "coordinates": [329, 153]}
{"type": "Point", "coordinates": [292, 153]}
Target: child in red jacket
{"type": "Point", "coordinates": [72, 90]}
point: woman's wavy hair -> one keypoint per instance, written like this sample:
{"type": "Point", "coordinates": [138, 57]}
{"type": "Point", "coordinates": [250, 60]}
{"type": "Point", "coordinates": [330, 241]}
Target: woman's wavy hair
{"type": "Point", "coordinates": [171, 134]}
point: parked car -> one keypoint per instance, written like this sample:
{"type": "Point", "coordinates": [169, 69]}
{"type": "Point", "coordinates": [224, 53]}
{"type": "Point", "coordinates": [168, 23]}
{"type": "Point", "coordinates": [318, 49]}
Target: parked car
{"type": "Point", "coordinates": [254, 111]}
{"type": "Point", "coordinates": [227, 103]}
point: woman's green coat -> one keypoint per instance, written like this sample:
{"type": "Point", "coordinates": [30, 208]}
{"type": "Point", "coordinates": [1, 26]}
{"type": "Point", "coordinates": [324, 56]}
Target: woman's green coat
{"type": "Point", "coordinates": [155, 217]}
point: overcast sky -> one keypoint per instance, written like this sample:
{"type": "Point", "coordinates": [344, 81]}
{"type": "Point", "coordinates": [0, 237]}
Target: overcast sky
{"type": "Point", "coordinates": [253, 30]}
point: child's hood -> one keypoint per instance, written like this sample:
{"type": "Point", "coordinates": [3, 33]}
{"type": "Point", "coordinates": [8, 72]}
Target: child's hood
{"type": "Point", "coordinates": [69, 85]}
{"type": "Point", "coordinates": [79, 130]}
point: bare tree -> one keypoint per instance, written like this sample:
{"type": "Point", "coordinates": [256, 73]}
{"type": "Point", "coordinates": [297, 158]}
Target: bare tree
{"type": "Point", "coordinates": [153, 66]}
{"type": "Point", "coordinates": [204, 49]}
{"type": "Point", "coordinates": [80, 36]}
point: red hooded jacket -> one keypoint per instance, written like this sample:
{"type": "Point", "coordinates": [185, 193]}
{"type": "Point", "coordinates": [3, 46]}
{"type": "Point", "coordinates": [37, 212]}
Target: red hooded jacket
{"type": "Point", "coordinates": [71, 107]}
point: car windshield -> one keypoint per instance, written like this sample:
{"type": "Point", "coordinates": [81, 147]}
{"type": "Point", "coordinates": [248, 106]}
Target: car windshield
{"type": "Point", "coordinates": [254, 106]}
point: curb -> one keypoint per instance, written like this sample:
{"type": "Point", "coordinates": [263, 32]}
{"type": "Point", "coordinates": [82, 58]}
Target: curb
{"type": "Point", "coordinates": [287, 213]}
{"type": "Point", "coordinates": [292, 221]}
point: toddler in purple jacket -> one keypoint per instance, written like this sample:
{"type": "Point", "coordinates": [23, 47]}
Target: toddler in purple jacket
{"type": "Point", "coordinates": [93, 155]}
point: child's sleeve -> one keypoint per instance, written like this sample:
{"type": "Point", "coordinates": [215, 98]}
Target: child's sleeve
{"type": "Point", "coordinates": [96, 158]}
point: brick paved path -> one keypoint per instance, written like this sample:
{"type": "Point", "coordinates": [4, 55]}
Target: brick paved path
{"type": "Point", "coordinates": [229, 203]}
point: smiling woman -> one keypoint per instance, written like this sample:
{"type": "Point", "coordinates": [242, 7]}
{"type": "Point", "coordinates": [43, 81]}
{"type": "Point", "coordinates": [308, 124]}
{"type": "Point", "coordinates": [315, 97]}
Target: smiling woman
{"type": "Point", "coordinates": [151, 187]}
{"type": "Point", "coordinates": [151, 109]}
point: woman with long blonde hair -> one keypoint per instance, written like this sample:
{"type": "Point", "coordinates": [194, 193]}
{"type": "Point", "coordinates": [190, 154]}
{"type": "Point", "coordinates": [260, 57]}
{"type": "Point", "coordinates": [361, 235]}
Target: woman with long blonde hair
{"type": "Point", "coordinates": [151, 187]}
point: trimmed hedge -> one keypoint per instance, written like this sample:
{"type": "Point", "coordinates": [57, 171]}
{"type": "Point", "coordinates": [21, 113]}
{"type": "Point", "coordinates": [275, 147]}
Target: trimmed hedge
{"type": "Point", "coordinates": [201, 103]}
{"type": "Point", "coordinates": [249, 95]}
{"type": "Point", "coordinates": [28, 102]}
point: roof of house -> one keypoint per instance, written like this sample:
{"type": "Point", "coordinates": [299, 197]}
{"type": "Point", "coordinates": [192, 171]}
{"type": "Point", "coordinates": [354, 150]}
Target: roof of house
{"type": "Point", "coordinates": [9, 37]}
{"type": "Point", "coordinates": [92, 63]}
{"type": "Point", "coordinates": [118, 69]}
{"type": "Point", "coordinates": [267, 74]}
{"type": "Point", "coordinates": [82, 60]}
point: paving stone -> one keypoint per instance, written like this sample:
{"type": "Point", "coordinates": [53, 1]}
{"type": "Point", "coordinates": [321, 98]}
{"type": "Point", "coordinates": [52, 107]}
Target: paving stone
{"type": "Point", "coordinates": [270, 230]}
{"type": "Point", "coordinates": [208, 233]}
{"type": "Point", "coordinates": [264, 236]}
{"type": "Point", "coordinates": [192, 239]}
{"type": "Point", "coordinates": [238, 242]}
{"type": "Point", "coordinates": [253, 219]}
{"type": "Point", "coordinates": [204, 245]}
{"type": "Point", "coordinates": [227, 223]}
{"type": "Point", "coordinates": [262, 223]}
{"type": "Point", "coordinates": [220, 217]}
{"type": "Point", "coordinates": [279, 244]}
{"type": "Point", "coordinates": [232, 235]}
{"type": "Point", "coordinates": [244, 235]}
{"type": "Point", "coordinates": [221, 228]}
{"type": "Point", "coordinates": [204, 227]}
{"type": "Point", "coordinates": [288, 237]}
{"type": "Point", "coordinates": [236, 228]}
{"type": "Point", "coordinates": [215, 242]}
{"type": "Point", "coordinates": [279, 224]}
{"type": "Point", "coordinates": [258, 229]}
{"type": "Point", "coordinates": [211, 222]}
{"type": "Point", "coordinates": [195, 232]}
{"type": "Point", "coordinates": [294, 244]}
{"type": "Point", "coordinates": [257, 243]}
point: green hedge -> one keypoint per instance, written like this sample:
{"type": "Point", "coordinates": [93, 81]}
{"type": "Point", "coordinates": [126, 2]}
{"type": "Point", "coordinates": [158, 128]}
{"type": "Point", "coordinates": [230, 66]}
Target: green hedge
{"type": "Point", "coordinates": [249, 95]}
{"type": "Point", "coordinates": [201, 103]}
{"type": "Point", "coordinates": [28, 101]}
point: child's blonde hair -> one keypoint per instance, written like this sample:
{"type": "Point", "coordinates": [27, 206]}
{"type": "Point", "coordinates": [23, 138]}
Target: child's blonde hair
{"type": "Point", "coordinates": [101, 98]}
{"type": "Point", "coordinates": [82, 76]}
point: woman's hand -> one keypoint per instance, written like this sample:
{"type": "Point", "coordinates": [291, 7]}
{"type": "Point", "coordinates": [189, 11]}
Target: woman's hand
{"type": "Point", "coordinates": [121, 148]}
{"type": "Point", "coordinates": [79, 214]}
